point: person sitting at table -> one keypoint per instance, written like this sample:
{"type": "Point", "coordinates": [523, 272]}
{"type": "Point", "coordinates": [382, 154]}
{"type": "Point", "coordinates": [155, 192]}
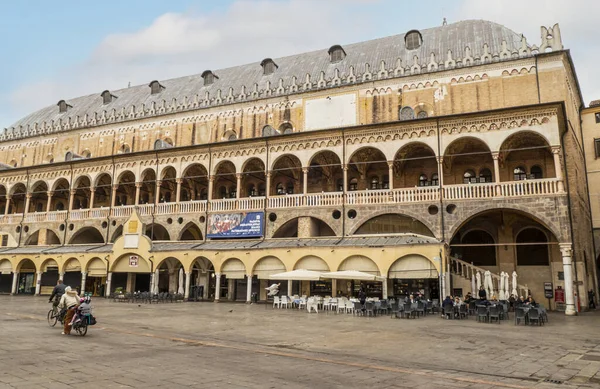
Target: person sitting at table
{"type": "Point", "coordinates": [512, 300]}
{"type": "Point", "coordinates": [520, 301]}
{"type": "Point", "coordinates": [457, 301]}
{"type": "Point", "coordinates": [468, 298]}
{"type": "Point", "coordinates": [531, 301]}
{"type": "Point", "coordinates": [448, 301]}
{"type": "Point", "coordinates": [482, 293]}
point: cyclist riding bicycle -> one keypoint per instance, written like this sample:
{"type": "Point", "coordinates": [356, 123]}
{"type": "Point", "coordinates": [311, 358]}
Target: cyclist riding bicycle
{"type": "Point", "coordinates": [57, 292]}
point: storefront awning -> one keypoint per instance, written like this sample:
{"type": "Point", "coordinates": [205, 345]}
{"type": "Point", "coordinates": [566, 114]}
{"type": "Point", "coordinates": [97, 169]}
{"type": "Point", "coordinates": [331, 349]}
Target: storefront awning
{"type": "Point", "coordinates": [234, 269]}
{"type": "Point", "coordinates": [96, 268]}
{"type": "Point", "coordinates": [413, 267]}
{"type": "Point", "coordinates": [5, 267]}
{"type": "Point", "coordinates": [267, 267]}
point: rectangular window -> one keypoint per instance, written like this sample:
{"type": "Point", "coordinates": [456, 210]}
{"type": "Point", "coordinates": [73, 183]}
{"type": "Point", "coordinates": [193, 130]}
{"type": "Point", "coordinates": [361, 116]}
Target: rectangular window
{"type": "Point", "coordinates": [4, 240]}
{"type": "Point", "coordinates": [597, 116]}
{"type": "Point", "coordinates": [597, 147]}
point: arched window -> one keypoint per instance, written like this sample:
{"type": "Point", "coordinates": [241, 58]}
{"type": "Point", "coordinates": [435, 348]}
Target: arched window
{"type": "Point", "coordinates": [386, 182]}
{"type": "Point", "coordinates": [519, 173]}
{"type": "Point", "coordinates": [435, 180]}
{"type": "Point", "coordinates": [423, 180]}
{"type": "Point", "coordinates": [469, 177]}
{"type": "Point", "coordinates": [340, 185]}
{"type": "Point", "coordinates": [529, 254]}
{"type": "Point", "coordinates": [422, 115]}
{"type": "Point", "coordinates": [268, 66]}
{"type": "Point", "coordinates": [353, 184]}
{"type": "Point", "coordinates": [203, 194]}
{"type": "Point", "coordinates": [155, 87]}
{"type": "Point", "coordinates": [286, 128]}
{"type": "Point", "coordinates": [39, 207]}
{"type": "Point", "coordinates": [232, 192]}
{"type": "Point", "coordinates": [13, 163]}
{"type": "Point", "coordinates": [290, 188]}
{"type": "Point", "coordinates": [229, 135]}
{"type": "Point", "coordinates": [406, 113]}
{"type": "Point", "coordinates": [86, 154]}
{"type": "Point", "coordinates": [374, 182]}
{"type": "Point", "coordinates": [269, 131]}
{"type": "Point", "coordinates": [280, 189]}
{"type": "Point", "coordinates": [536, 172]}
{"type": "Point", "coordinates": [261, 189]}
{"type": "Point", "coordinates": [209, 77]}
{"type": "Point", "coordinates": [60, 206]}
{"type": "Point", "coordinates": [223, 192]}
{"type": "Point", "coordinates": [336, 53]}
{"type": "Point", "coordinates": [485, 175]}
{"type": "Point", "coordinates": [125, 149]}
{"type": "Point", "coordinates": [413, 40]}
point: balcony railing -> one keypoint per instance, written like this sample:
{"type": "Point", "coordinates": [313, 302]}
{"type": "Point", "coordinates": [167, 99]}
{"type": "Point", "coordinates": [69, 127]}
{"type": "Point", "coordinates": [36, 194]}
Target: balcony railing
{"type": "Point", "coordinates": [482, 191]}
{"type": "Point", "coordinates": [503, 189]}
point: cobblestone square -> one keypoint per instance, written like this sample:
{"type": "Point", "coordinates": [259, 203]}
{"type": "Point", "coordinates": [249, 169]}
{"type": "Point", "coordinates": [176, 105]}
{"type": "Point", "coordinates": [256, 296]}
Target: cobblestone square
{"type": "Point", "coordinates": [230, 345]}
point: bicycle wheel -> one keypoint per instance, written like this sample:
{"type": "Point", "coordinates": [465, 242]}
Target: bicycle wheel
{"type": "Point", "coordinates": [81, 329]}
{"type": "Point", "coordinates": [52, 318]}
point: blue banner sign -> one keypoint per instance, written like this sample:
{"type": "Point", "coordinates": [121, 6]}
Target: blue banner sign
{"type": "Point", "coordinates": [236, 225]}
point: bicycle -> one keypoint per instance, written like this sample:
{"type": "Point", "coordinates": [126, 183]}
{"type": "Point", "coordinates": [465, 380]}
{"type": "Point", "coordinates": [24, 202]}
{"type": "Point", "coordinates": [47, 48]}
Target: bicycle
{"type": "Point", "coordinates": [81, 327]}
{"type": "Point", "coordinates": [55, 315]}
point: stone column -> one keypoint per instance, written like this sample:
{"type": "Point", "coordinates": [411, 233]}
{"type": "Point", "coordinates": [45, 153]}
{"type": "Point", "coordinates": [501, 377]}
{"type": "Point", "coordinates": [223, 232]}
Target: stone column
{"type": "Point", "coordinates": [238, 185]}
{"type": "Point", "coordinates": [384, 289]}
{"type": "Point", "coordinates": [496, 156]}
{"type": "Point", "coordinates": [108, 282]}
{"type": "Point", "coordinates": [157, 192]}
{"type": "Point", "coordinates": [27, 201]}
{"type": "Point", "coordinates": [71, 198]}
{"type": "Point", "coordinates": [83, 278]}
{"type": "Point", "coordinates": [249, 288]}
{"type": "Point", "coordinates": [267, 184]}
{"type": "Point", "coordinates": [152, 283]}
{"type": "Point", "coordinates": [558, 168]}
{"type": "Point", "coordinates": [217, 287]}
{"type": "Point", "coordinates": [38, 283]}
{"type": "Point", "coordinates": [391, 174]}
{"type": "Point", "coordinates": [15, 283]}
{"type": "Point", "coordinates": [138, 186]}
{"type": "Point", "coordinates": [305, 182]}
{"type": "Point", "coordinates": [49, 202]}
{"type": "Point", "coordinates": [345, 170]}
{"type": "Point", "coordinates": [92, 197]}
{"type": "Point", "coordinates": [440, 161]}
{"type": "Point", "coordinates": [289, 288]}
{"type": "Point", "coordinates": [231, 290]}
{"type": "Point", "coordinates": [188, 282]}
{"type": "Point", "coordinates": [61, 275]}
{"type": "Point", "coordinates": [565, 249]}
{"type": "Point", "coordinates": [178, 181]}
{"type": "Point", "coordinates": [7, 206]}
{"type": "Point", "coordinates": [211, 182]}
{"type": "Point", "coordinates": [113, 197]}
{"type": "Point", "coordinates": [333, 288]}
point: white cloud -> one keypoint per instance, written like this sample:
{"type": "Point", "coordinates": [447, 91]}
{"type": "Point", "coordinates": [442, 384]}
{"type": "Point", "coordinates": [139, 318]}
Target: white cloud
{"type": "Point", "coordinates": [577, 20]}
{"type": "Point", "coordinates": [179, 44]}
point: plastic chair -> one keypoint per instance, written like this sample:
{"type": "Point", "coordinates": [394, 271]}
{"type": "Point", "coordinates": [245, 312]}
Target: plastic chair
{"type": "Point", "coordinates": [420, 309]}
{"type": "Point", "coordinates": [448, 311]}
{"type": "Point", "coordinates": [495, 313]}
{"type": "Point", "coordinates": [358, 308]}
{"type": "Point", "coordinates": [462, 311]}
{"type": "Point", "coordinates": [520, 315]}
{"type": "Point", "coordinates": [534, 316]}
{"type": "Point", "coordinates": [369, 305]}
{"type": "Point", "coordinates": [408, 311]}
{"type": "Point", "coordinates": [482, 313]}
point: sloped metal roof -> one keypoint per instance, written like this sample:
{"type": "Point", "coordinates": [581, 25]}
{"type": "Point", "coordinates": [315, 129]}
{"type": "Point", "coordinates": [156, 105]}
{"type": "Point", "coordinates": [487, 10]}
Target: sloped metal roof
{"type": "Point", "coordinates": [455, 37]}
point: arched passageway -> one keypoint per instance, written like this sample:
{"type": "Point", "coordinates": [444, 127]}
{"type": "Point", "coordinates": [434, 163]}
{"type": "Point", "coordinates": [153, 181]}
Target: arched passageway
{"type": "Point", "coordinates": [253, 180]}
{"type": "Point", "coordinates": [325, 173]}
{"type": "Point", "coordinates": [194, 185]}
{"type": "Point", "coordinates": [225, 184]}
{"type": "Point", "coordinates": [393, 223]}
{"type": "Point", "coordinates": [468, 160]}
{"type": "Point", "coordinates": [526, 155]}
{"type": "Point", "coordinates": [125, 193]}
{"type": "Point", "coordinates": [156, 231]}
{"type": "Point", "coordinates": [414, 274]}
{"type": "Point", "coordinates": [87, 235]}
{"type": "Point", "coordinates": [203, 281]}
{"type": "Point", "coordinates": [168, 275]}
{"type": "Point", "coordinates": [415, 164]}
{"type": "Point", "coordinates": [304, 227]}
{"type": "Point", "coordinates": [368, 169]}
{"type": "Point", "coordinates": [27, 277]}
{"type": "Point", "coordinates": [286, 176]}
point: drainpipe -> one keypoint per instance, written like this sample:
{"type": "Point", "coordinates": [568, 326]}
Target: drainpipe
{"type": "Point", "coordinates": [345, 189]}
{"type": "Point", "coordinates": [24, 210]}
{"type": "Point", "coordinates": [110, 191]}
{"type": "Point", "coordinates": [209, 195]}
{"type": "Point", "coordinates": [68, 208]}
{"type": "Point", "coordinates": [156, 200]}
{"type": "Point", "coordinates": [440, 179]}
{"type": "Point", "coordinates": [573, 253]}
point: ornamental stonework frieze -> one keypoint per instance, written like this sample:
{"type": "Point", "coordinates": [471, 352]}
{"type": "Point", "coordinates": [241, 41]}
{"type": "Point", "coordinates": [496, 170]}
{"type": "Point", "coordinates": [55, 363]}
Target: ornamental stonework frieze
{"type": "Point", "coordinates": [497, 121]}
{"type": "Point", "coordinates": [232, 152]}
{"type": "Point", "coordinates": [308, 144]}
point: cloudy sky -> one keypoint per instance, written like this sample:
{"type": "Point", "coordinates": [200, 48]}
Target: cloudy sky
{"type": "Point", "coordinates": [60, 50]}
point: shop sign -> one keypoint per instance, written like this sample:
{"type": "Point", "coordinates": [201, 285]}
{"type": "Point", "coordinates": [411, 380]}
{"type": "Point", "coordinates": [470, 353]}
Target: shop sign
{"type": "Point", "coordinates": [559, 295]}
{"type": "Point", "coordinates": [133, 261]}
{"type": "Point", "coordinates": [548, 292]}
{"type": "Point", "coordinates": [236, 225]}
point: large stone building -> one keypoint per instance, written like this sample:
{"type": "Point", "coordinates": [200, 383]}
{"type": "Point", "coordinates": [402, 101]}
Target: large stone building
{"type": "Point", "coordinates": [423, 158]}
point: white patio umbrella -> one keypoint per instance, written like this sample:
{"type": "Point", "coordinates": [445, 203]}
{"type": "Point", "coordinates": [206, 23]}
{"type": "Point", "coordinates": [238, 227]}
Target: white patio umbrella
{"type": "Point", "coordinates": [156, 277]}
{"type": "Point", "coordinates": [514, 285]}
{"type": "Point", "coordinates": [297, 275]}
{"type": "Point", "coordinates": [487, 283]}
{"type": "Point", "coordinates": [180, 289]}
{"type": "Point", "coordinates": [478, 279]}
{"type": "Point", "coordinates": [473, 286]}
{"type": "Point", "coordinates": [502, 287]}
{"type": "Point", "coordinates": [506, 286]}
{"type": "Point", "coordinates": [351, 275]}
